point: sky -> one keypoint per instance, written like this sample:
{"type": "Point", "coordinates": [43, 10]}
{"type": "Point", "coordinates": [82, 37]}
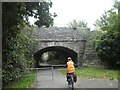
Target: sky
{"type": "Point", "coordinates": [69, 10]}
{"type": "Point", "coordinates": [88, 10]}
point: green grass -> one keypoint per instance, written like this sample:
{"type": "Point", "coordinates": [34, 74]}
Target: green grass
{"type": "Point", "coordinates": [95, 73]}
{"type": "Point", "coordinates": [23, 82]}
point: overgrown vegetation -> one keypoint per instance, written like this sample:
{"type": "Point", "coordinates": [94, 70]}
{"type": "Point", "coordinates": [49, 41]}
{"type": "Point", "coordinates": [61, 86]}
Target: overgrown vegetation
{"type": "Point", "coordinates": [95, 73]}
{"type": "Point", "coordinates": [18, 44]}
{"type": "Point", "coordinates": [108, 45]}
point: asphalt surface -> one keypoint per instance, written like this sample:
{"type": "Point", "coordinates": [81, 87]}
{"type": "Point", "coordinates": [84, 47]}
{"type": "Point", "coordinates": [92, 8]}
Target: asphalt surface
{"type": "Point", "coordinates": [45, 79]}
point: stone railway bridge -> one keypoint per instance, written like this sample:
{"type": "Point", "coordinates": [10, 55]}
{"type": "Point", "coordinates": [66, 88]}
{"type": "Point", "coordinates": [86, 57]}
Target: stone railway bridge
{"type": "Point", "coordinates": [65, 40]}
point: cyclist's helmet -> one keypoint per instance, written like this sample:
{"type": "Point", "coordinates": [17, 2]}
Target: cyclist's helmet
{"type": "Point", "coordinates": [69, 58]}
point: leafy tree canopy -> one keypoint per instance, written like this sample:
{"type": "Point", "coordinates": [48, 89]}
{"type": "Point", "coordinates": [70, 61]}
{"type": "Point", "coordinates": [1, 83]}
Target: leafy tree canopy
{"type": "Point", "coordinates": [17, 44]}
{"type": "Point", "coordinates": [79, 24]}
{"type": "Point", "coordinates": [108, 45]}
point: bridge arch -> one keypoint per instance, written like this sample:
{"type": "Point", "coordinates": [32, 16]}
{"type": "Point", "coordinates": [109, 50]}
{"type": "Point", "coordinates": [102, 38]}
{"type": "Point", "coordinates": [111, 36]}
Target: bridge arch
{"type": "Point", "coordinates": [67, 52]}
{"type": "Point", "coordinates": [61, 38]}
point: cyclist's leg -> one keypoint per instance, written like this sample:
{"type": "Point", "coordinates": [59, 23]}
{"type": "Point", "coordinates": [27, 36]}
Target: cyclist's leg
{"type": "Point", "coordinates": [68, 78]}
{"type": "Point", "coordinates": [75, 77]}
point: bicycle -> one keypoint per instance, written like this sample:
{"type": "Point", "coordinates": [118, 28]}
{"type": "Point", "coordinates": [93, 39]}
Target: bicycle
{"type": "Point", "coordinates": [71, 81]}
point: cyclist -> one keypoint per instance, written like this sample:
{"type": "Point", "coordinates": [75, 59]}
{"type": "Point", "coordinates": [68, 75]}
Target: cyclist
{"type": "Point", "coordinates": [70, 67]}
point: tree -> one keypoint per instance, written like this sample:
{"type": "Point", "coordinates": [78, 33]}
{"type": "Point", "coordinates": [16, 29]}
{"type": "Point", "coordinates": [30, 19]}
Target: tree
{"type": "Point", "coordinates": [17, 46]}
{"type": "Point", "coordinates": [78, 24]}
{"type": "Point", "coordinates": [108, 45]}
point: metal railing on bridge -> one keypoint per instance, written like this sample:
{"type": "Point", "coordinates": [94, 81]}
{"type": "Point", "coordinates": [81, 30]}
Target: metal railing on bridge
{"type": "Point", "coordinates": [47, 67]}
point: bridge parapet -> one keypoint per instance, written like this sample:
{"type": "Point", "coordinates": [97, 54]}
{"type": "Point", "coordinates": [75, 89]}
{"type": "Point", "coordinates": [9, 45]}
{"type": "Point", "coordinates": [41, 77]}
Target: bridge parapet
{"type": "Point", "coordinates": [56, 33]}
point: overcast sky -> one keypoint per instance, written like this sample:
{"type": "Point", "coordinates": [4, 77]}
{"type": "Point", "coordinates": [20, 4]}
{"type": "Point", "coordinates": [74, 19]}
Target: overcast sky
{"type": "Point", "coordinates": [88, 10]}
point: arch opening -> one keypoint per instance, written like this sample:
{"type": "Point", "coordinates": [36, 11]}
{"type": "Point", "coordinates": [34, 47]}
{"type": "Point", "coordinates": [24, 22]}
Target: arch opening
{"type": "Point", "coordinates": [54, 55]}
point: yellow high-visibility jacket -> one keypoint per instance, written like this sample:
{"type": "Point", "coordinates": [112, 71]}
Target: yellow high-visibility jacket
{"type": "Point", "coordinates": [70, 67]}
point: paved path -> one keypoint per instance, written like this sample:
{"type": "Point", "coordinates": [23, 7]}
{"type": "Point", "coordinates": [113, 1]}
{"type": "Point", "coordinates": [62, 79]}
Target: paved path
{"type": "Point", "coordinates": [44, 80]}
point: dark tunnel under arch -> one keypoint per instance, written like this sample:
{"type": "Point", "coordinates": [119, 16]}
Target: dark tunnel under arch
{"type": "Point", "coordinates": [64, 50]}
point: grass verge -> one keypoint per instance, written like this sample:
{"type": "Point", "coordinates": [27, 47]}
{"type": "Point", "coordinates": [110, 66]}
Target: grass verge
{"type": "Point", "coordinates": [23, 82]}
{"type": "Point", "coordinates": [95, 73]}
